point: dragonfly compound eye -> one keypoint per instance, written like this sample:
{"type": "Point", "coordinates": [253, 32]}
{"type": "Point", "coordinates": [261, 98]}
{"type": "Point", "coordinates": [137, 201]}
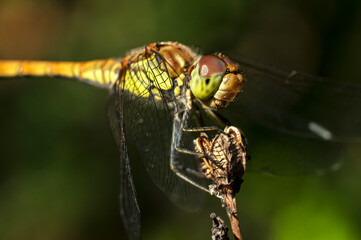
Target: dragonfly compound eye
{"type": "Point", "coordinates": [216, 81]}
{"type": "Point", "coordinates": [207, 76]}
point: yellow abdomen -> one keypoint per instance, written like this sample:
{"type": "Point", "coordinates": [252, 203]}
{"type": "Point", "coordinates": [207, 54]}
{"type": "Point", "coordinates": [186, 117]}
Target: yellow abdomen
{"type": "Point", "coordinates": [102, 73]}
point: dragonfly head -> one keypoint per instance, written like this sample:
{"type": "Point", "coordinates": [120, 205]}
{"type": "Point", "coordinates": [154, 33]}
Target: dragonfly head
{"type": "Point", "coordinates": [216, 81]}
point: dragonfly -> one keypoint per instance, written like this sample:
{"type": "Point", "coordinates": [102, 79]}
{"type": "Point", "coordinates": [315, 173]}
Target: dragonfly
{"type": "Point", "coordinates": [164, 93]}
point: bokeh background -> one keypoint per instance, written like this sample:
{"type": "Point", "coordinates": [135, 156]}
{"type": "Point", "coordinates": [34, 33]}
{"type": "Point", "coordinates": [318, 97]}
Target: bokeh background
{"type": "Point", "coordinates": [58, 162]}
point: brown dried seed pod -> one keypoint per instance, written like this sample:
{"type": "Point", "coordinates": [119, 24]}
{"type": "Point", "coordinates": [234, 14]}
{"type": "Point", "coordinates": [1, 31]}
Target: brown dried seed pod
{"type": "Point", "coordinates": [225, 160]}
{"type": "Point", "coordinates": [224, 163]}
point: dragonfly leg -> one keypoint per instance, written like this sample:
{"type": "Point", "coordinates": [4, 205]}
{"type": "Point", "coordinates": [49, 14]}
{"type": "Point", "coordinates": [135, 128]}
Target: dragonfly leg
{"type": "Point", "coordinates": [190, 171]}
{"type": "Point", "coordinates": [179, 171]}
{"type": "Point", "coordinates": [203, 129]}
{"type": "Point", "coordinates": [193, 172]}
{"type": "Point", "coordinates": [218, 117]}
{"type": "Point", "coordinates": [186, 169]}
{"type": "Point", "coordinates": [190, 152]}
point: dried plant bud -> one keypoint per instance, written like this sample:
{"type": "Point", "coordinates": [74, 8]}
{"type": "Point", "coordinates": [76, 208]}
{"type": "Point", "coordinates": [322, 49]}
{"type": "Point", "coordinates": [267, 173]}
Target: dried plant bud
{"type": "Point", "coordinates": [224, 162]}
{"type": "Point", "coordinates": [219, 229]}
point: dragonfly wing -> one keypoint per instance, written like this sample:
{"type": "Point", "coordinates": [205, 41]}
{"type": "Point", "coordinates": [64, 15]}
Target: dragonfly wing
{"type": "Point", "coordinates": [297, 104]}
{"type": "Point", "coordinates": [150, 124]}
{"type": "Point", "coordinates": [301, 104]}
{"type": "Point", "coordinates": [129, 208]}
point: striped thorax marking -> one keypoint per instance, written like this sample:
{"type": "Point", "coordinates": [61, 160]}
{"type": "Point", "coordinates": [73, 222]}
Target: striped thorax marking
{"type": "Point", "coordinates": [157, 70]}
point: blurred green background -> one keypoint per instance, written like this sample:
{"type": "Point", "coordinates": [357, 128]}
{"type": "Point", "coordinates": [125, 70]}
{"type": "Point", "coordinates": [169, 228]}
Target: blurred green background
{"type": "Point", "coordinates": [58, 162]}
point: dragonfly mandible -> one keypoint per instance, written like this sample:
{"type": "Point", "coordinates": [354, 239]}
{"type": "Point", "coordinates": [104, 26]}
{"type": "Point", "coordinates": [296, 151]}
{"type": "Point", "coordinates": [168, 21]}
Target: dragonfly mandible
{"type": "Point", "coordinates": [161, 91]}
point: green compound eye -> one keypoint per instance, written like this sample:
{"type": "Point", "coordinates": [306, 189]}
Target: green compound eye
{"type": "Point", "coordinates": [207, 76]}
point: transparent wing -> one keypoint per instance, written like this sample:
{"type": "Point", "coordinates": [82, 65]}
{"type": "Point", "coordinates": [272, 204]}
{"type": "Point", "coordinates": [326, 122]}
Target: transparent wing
{"type": "Point", "coordinates": [320, 112]}
{"type": "Point", "coordinates": [297, 103]}
{"type": "Point", "coordinates": [129, 208]}
{"type": "Point", "coordinates": [150, 125]}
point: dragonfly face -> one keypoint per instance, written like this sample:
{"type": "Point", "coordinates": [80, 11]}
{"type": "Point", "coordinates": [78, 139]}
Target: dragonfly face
{"type": "Point", "coordinates": [216, 81]}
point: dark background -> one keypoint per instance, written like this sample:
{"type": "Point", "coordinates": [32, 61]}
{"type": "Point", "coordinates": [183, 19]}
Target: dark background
{"type": "Point", "coordinates": [59, 165]}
